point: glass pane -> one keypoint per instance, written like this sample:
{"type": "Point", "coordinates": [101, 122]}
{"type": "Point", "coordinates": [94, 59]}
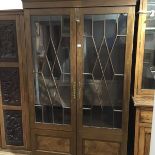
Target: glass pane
{"type": "Point", "coordinates": [88, 23]}
{"type": "Point", "coordinates": [150, 6]}
{"type": "Point", "coordinates": [150, 22]}
{"type": "Point", "coordinates": [122, 24]}
{"type": "Point", "coordinates": [10, 86]}
{"type": "Point", "coordinates": [152, 1]}
{"type": "Point", "coordinates": [91, 57]}
{"type": "Point", "coordinates": [51, 54]}
{"type": "Point", "coordinates": [98, 36]}
{"type": "Point", "coordinates": [13, 127]}
{"type": "Point", "coordinates": [110, 31]}
{"type": "Point", "coordinates": [104, 57]}
{"type": "Point", "coordinates": [149, 50]}
{"type": "Point", "coordinates": [38, 111]}
{"type": "Point", "coordinates": [118, 56]}
{"type": "Point", "coordinates": [8, 41]}
{"type": "Point", "coordinates": [149, 60]}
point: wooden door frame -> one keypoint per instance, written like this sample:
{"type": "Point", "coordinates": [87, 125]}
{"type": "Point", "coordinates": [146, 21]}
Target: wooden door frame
{"type": "Point", "coordinates": [138, 90]}
{"type": "Point", "coordinates": [116, 135]}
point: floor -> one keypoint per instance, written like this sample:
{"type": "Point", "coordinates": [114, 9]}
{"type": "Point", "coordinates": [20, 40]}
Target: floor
{"type": "Point", "coordinates": [11, 153]}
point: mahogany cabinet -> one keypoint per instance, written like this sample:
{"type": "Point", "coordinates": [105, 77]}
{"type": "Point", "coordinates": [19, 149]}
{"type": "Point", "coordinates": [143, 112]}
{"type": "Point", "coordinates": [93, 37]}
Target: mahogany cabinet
{"type": "Point", "coordinates": [75, 77]}
{"type": "Point", "coordinates": [144, 78]}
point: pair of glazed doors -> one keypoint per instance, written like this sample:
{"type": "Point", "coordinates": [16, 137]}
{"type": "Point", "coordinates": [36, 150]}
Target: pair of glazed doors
{"type": "Point", "coordinates": [77, 75]}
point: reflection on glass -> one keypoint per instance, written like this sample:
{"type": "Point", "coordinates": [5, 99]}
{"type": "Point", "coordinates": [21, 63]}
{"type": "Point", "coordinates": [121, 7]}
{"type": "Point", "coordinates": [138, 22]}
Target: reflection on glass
{"type": "Point", "coordinates": [149, 60]}
{"type": "Point", "coordinates": [149, 49]}
{"type": "Point", "coordinates": [51, 54]}
{"type": "Point", "coordinates": [104, 56]}
{"type": "Point", "coordinates": [151, 1]}
{"type": "Point", "coordinates": [150, 22]}
{"type": "Point", "coordinates": [122, 24]}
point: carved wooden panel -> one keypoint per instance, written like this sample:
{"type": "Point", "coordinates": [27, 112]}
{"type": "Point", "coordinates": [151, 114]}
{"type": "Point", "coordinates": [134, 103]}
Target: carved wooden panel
{"type": "Point", "coordinates": [13, 127]}
{"type": "Point", "coordinates": [53, 144]}
{"type": "Point", "coordinates": [144, 141]}
{"type": "Point", "coordinates": [8, 41]}
{"type": "Point", "coordinates": [10, 86]}
{"type": "Point", "coordinates": [101, 148]}
{"type": "Point", "coordinates": [146, 116]}
{"type": "Point", "coordinates": [147, 142]}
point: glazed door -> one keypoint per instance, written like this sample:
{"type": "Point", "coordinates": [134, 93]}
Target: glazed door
{"type": "Point", "coordinates": [52, 80]}
{"type": "Point", "coordinates": [104, 51]}
{"type": "Point", "coordinates": [79, 64]}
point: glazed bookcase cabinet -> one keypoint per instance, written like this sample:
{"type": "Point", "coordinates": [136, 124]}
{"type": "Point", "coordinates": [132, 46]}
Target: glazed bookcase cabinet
{"type": "Point", "coordinates": [144, 80]}
{"type": "Point", "coordinates": [71, 77]}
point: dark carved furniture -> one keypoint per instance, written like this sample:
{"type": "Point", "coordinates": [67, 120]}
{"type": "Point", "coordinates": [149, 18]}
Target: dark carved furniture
{"type": "Point", "coordinates": [144, 79]}
{"type": "Point", "coordinates": [14, 118]}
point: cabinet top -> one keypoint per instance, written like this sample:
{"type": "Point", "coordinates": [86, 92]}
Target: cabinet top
{"type": "Point", "coordinates": [75, 3]}
{"type": "Point", "coordinates": [143, 101]}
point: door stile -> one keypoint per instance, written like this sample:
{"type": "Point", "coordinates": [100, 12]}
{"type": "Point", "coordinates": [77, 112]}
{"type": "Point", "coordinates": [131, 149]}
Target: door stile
{"type": "Point", "coordinates": [30, 65]}
{"type": "Point", "coordinates": [23, 74]}
{"type": "Point", "coordinates": [127, 78]}
{"type": "Point", "coordinates": [73, 59]}
{"type": "Point", "coordinates": [30, 79]}
{"type": "Point", "coordinates": [80, 67]}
